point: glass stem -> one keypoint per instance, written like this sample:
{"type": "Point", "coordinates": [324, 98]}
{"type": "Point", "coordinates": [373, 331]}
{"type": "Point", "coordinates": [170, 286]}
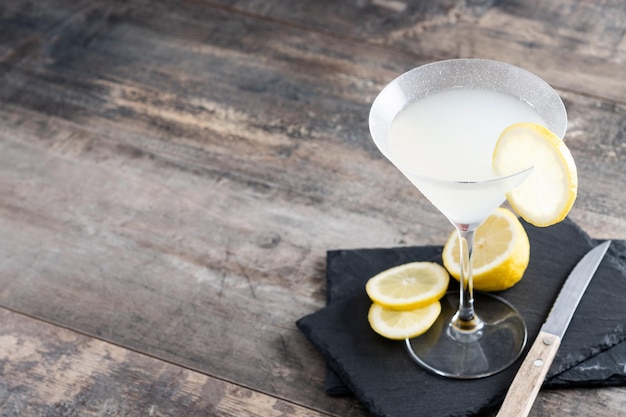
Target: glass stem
{"type": "Point", "coordinates": [465, 320]}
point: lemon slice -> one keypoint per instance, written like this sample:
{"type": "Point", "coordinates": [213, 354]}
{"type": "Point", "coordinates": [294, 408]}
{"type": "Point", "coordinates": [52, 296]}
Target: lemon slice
{"type": "Point", "coordinates": [408, 286]}
{"type": "Point", "coordinates": [501, 252]}
{"type": "Point", "coordinates": [547, 195]}
{"type": "Point", "coordinates": [398, 325]}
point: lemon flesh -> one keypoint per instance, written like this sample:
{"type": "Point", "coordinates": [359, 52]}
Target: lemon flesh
{"type": "Point", "coordinates": [399, 325]}
{"type": "Point", "coordinates": [547, 195]}
{"type": "Point", "coordinates": [500, 256]}
{"type": "Point", "coordinates": [408, 286]}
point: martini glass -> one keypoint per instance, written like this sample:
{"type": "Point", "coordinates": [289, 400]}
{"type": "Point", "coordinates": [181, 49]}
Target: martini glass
{"type": "Point", "coordinates": [438, 124]}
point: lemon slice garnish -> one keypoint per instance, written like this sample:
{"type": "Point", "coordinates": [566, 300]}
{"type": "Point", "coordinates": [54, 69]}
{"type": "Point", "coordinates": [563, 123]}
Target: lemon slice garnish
{"type": "Point", "coordinates": [408, 286]}
{"type": "Point", "coordinates": [547, 195]}
{"type": "Point", "coordinates": [501, 252]}
{"type": "Point", "coordinates": [398, 325]}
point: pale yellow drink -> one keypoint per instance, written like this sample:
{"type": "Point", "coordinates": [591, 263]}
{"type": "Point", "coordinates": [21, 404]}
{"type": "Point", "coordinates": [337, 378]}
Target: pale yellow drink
{"type": "Point", "coordinates": [451, 136]}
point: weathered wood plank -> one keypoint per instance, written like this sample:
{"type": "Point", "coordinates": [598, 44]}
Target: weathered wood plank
{"type": "Point", "coordinates": [219, 262]}
{"type": "Point", "coordinates": [573, 44]}
{"type": "Point", "coordinates": [52, 371]}
{"type": "Point", "coordinates": [182, 299]}
{"type": "Point", "coordinates": [607, 402]}
{"type": "Point", "coordinates": [172, 174]}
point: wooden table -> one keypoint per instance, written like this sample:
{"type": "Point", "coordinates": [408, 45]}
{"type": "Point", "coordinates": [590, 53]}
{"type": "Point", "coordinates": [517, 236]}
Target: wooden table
{"type": "Point", "coordinates": [172, 173]}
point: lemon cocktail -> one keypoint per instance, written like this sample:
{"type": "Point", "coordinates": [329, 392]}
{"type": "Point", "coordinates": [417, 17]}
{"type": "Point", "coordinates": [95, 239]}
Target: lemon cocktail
{"type": "Point", "coordinates": [469, 133]}
{"type": "Point", "coordinates": [447, 139]}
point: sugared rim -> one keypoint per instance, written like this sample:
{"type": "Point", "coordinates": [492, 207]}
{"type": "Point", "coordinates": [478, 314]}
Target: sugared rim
{"type": "Point", "coordinates": [403, 90]}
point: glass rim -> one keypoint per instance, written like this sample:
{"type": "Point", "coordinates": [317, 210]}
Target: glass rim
{"type": "Point", "coordinates": [386, 90]}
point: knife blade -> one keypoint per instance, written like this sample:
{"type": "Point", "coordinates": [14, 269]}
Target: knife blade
{"type": "Point", "coordinates": [531, 374]}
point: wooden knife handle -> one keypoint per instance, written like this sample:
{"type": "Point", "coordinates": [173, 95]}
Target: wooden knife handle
{"type": "Point", "coordinates": [528, 380]}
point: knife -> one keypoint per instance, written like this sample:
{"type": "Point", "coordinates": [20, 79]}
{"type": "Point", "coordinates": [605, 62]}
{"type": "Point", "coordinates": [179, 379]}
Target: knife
{"type": "Point", "coordinates": [531, 374]}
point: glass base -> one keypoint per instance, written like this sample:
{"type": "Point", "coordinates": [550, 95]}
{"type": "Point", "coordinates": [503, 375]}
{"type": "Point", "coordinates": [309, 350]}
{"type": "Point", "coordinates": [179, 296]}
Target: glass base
{"type": "Point", "coordinates": [450, 352]}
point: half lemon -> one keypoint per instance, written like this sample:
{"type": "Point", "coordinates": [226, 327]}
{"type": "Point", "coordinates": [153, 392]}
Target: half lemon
{"type": "Point", "coordinates": [500, 256]}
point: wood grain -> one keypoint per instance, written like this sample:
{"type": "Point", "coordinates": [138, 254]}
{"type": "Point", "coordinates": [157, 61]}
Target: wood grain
{"type": "Point", "coordinates": [172, 173]}
{"type": "Point", "coordinates": [521, 395]}
{"type": "Point", "coordinates": [609, 402]}
{"type": "Point", "coordinates": [51, 371]}
{"type": "Point", "coordinates": [574, 45]}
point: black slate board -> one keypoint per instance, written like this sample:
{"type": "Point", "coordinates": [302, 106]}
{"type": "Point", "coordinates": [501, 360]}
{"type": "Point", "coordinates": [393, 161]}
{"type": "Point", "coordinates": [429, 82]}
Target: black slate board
{"type": "Point", "coordinates": [380, 373]}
